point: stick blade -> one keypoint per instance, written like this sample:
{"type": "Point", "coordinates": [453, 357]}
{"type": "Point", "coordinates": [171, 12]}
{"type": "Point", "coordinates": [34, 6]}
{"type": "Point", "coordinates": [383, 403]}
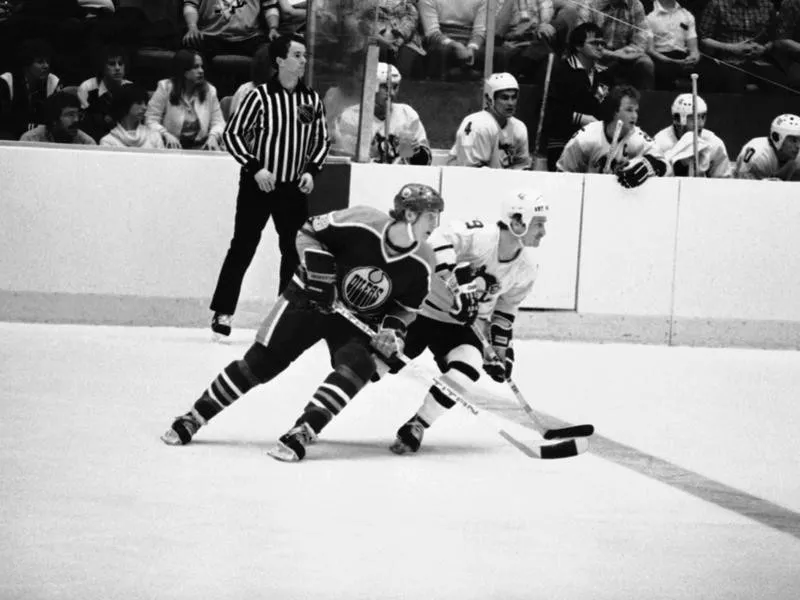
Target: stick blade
{"type": "Point", "coordinates": [565, 449]}
{"type": "Point", "coordinates": [574, 431]}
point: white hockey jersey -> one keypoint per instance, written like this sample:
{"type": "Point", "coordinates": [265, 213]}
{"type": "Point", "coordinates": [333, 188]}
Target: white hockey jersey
{"type": "Point", "coordinates": [503, 285]}
{"type": "Point", "coordinates": [403, 121]}
{"type": "Point", "coordinates": [481, 142]}
{"type": "Point", "coordinates": [757, 160]}
{"type": "Point", "coordinates": [712, 155]}
{"type": "Point", "coordinates": [588, 149]}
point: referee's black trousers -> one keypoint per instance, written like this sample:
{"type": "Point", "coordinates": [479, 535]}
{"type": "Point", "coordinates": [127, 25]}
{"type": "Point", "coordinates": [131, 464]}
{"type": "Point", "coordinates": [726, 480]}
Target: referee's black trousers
{"type": "Point", "coordinates": [288, 207]}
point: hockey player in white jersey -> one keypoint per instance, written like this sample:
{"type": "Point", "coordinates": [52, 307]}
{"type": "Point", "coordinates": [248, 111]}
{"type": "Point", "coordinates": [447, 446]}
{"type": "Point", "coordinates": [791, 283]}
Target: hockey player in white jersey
{"type": "Point", "coordinates": [493, 137]}
{"type": "Point", "coordinates": [407, 141]}
{"type": "Point", "coordinates": [633, 155]}
{"type": "Point", "coordinates": [773, 157]}
{"type": "Point", "coordinates": [676, 142]}
{"type": "Point", "coordinates": [485, 272]}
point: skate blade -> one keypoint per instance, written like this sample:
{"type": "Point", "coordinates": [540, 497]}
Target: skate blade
{"type": "Point", "coordinates": [219, 338]}
{"type": "Point", "coordinates": [171, 438]}
{"type": "Point", "coordinates": [283, 453]}
{"type": "Point", "coordinates": [400, 448]}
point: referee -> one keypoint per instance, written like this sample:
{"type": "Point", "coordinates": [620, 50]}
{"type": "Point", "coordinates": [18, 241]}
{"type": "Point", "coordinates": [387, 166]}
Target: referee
{"type": "Point", "coordinates": [279, 136]}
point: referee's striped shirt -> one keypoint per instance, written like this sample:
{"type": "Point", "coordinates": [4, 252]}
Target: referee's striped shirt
{"type": "Point", "coordinates": [282, 131]}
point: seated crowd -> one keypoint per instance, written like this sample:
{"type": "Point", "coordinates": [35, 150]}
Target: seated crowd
{"type": "Point", "coordinates": [599, 46]}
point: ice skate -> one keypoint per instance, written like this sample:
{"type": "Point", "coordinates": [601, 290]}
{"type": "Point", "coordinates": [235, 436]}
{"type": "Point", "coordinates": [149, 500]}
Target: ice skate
{"type": "Point", "coordinates": [291, 446]}
{"type": "Point", "coordinates": [182, 430]}
{"type": "Point", "coordinates": [221, 326]}
{"type": "Point", "coordinates": [409, 437]}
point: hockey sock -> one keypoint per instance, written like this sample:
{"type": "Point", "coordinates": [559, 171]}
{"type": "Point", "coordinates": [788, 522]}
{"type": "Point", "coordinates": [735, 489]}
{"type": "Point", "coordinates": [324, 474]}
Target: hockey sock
{"type": "Point", "coordinates": [233, 382]}
{"type": "Point", "coordinates": [331, 397]}
{"type": "Point", "coordinates": [436, 403]}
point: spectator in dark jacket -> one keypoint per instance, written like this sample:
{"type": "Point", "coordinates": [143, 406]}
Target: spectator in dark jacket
{"type": "Point", "coordinates": [96, 93]}
{"type": "Point", "coordinates": [578, 87]}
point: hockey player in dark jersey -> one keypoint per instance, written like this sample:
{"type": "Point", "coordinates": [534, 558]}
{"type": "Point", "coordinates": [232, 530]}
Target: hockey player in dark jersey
{"type": "Point", "coordinates": [483, 273]}
{"type": "Point", "coordinates": [380, 267]}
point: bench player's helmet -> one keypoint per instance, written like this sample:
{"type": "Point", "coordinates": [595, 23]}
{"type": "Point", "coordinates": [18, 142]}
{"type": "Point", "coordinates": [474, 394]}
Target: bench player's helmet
{"type": "Point", "coordinates": [417, 197]}
{"type": "Point", "coordinates": [498, 82]}
{"type": "Point", "coordinates": [388, 74]}
{"type": "Point", "coordinates": [683, 108]}
{"type": "Point", "coordinates": [782, 127]}
{"type": "Point", "coordinates": [523, 205]}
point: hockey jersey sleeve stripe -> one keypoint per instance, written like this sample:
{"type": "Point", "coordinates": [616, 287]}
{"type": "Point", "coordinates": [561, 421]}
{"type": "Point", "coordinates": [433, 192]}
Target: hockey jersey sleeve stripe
{"type": "Point", "coordinates": [444, 247]}
{"type": "Point", "coordinates": [445, 267]}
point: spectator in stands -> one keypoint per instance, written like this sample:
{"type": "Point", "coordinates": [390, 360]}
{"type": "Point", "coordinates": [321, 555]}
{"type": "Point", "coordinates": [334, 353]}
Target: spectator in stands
{"type": "Point", "coordinates": [578, 87]}
{"type": "Point", "coordinates": [407, 142]}
{"type": "Point", "coordinates": [185, 109]}
{"type": "Point", "coordinates": [524, 37]}
{"type": "Point", "coordinates": [261, 71]}
{"type": "Point", "coordinates": [786, 47]}
{"type": "Point", "coordinates": [493, 137]}
{"type": "Point", "coordinates": [224, 27]}
{"type": "Point", "coordinates": [735, 32]}
{"type": "Point", "coordinates": [127, 109]}
{"type": "Point", "coordinates": [676, 142]}
{"type": "Point", "coordinates": [394, 26]}
{"type": "Point", "coordinates": [292, 18]}
{"type": "Point", "coordinates": [673, 45]}
{"type": "Point", "coordinates": [773, 157]}
{"type": "Point", "coordinates": [455, 34]}
{"type": "Point", "coordinates": [63, 113]}
{"type": "Point", "coordinates": [24, 90]}
{"type": "Point", "coordinates": [96, 93]}
{"type": "Point", "coordinates": [625, 30]}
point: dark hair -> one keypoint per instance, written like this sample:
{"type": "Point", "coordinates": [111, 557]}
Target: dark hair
{"type": "Point", "coordinates": [182, 62]}
{"type": "Point", "coordinates": [261, 67]}
{"type": "Point", "coordinates": [108, 52]}
{"type": "Point", "coordinates": [578, 36]}
{"type": "Point", "coordinates": [56, 103]}
{"type": "Point", "coordinates": [128, 95]}
{"type": "Point", "coordinates": [279, 47]}
{"type": "Point", "coordinates": [612, 103]}
{"type": "Point", "coordinates": [30, 50]}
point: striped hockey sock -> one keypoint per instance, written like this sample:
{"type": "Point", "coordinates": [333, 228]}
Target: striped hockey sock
{"type": "Point", "coordinates": [234, 381]}
{"type": "Point", "coordinates": [330, 398]}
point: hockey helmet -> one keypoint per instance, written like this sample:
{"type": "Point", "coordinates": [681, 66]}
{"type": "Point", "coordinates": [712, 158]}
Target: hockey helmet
{"type": "Point", "coordinates": [498, 82]}
{"type": "Point", "coordinates": [417, 197]}
{"type": "Point", "coordinates": [388, 74]}
{"type": "Point", "coordinates": [782, 127]}
{"type": "Point", "coordinates": [528, 204]}
{"type": "Point", "coordinates": [682, 108]}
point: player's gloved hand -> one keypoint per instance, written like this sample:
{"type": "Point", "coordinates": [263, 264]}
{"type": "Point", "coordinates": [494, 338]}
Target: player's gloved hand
{"type": "Point", "coordinates": [319, 278]}
{"type": "Point", "coordinates": [635, 172]}
{"type": "Point", "coordinates": [465, 307]}
{"type": "Point", "coordinates": [389, 342]}
{"type": "Point", "coordinates": [499, 364]}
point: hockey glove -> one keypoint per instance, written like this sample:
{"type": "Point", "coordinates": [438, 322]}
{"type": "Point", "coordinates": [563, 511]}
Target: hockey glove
{"type": "Point", "coordinates": [499, 364]}
{"type": "Point", "coordinates": [389, 341]}
{"type": "Point", "coordinates": [635, 173]}
{"type": "Point", "coordinates": [465, 305]}
{"type": "Point", "coordinates": [319, 278]}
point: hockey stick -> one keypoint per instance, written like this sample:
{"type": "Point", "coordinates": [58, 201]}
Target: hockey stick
{"type": "Point", "coordinates": [503, 427]}
{"type": "Point", "coordinates": [614, 145]}
{"type": "Point", "coordinates": [548, 434]}
{"type": "Point", "coordinates": [695, 128]}
{"type": "Point", "coordinates": [539, 161]}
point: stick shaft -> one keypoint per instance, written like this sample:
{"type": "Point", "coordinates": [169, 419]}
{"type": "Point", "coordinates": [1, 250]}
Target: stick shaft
{"type": "Point", "coordinates": [537, 142]}
{"type": "Point", "coordinates": [612, 152]}
{"type": "Point", "coordinates": [695, 127]}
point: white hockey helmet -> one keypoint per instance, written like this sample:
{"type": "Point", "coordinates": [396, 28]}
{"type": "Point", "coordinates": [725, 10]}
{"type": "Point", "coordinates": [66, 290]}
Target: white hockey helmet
{"type": "Point", "coordinates": [498, 82]}
{"type": "Point", "coordinates": [528, 204]}
{"type": "Point", "coordinates": [783, 126]}
{"type": "Point", "coordinates": [683, 106]}
{"type": "Point", "coordinates": [388, 73]}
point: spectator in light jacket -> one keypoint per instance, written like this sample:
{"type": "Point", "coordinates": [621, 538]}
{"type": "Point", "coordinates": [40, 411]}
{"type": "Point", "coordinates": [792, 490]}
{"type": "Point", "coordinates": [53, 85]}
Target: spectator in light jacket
{"type": "Point", "coordinates": [127, 109]}
{"type": "Point", "coordinates": [185, 109]}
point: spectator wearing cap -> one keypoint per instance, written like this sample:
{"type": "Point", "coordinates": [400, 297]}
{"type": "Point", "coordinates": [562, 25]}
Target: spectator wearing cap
{"type": "Point", "coordinates": [63, 113]}
{"type": "Point", "coordinates": [673, 45]}
{"type": "Point", "coordinates": [398, 135]}
{"type": "Point", "coordinates": [185, 109]}
{"type": "Point", "coordinates": [127, 109]}
{"type": "Point", "coordinates": [96, 93]}
{"type": "Point", "coordinates": [24, 90]}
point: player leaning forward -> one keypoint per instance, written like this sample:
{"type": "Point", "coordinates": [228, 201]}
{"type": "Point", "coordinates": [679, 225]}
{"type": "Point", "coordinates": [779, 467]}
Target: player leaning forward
{"type": "Point", "coordinates": [379, 266]}
{"type": "Point", "coordinates": [486, 263]}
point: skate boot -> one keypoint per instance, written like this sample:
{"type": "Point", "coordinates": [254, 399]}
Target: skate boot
{"type": "Point", "coordinates": [182, 430]}
{"type": "Point", "coordinates": [221, 326]}
{"type": "Point", "coordinates": [409, 437]}
{"type": "Point", "coordinates": [291, 446]}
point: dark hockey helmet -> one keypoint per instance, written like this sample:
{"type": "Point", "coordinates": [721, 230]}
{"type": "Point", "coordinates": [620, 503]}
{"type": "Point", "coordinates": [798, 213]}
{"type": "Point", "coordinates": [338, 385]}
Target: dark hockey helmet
{"type": "Point", "coordinates": [417, 197]}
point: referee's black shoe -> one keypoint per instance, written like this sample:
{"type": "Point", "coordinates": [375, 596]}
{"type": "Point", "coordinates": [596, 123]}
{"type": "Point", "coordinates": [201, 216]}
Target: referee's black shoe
{"type": "Point", "coordinates": [221, 325]}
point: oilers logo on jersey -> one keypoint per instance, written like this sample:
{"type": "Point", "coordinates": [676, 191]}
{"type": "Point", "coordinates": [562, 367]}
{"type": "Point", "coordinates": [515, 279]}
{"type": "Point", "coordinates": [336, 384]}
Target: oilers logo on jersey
{"type": "Point", "coordinates": [366, 288]}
